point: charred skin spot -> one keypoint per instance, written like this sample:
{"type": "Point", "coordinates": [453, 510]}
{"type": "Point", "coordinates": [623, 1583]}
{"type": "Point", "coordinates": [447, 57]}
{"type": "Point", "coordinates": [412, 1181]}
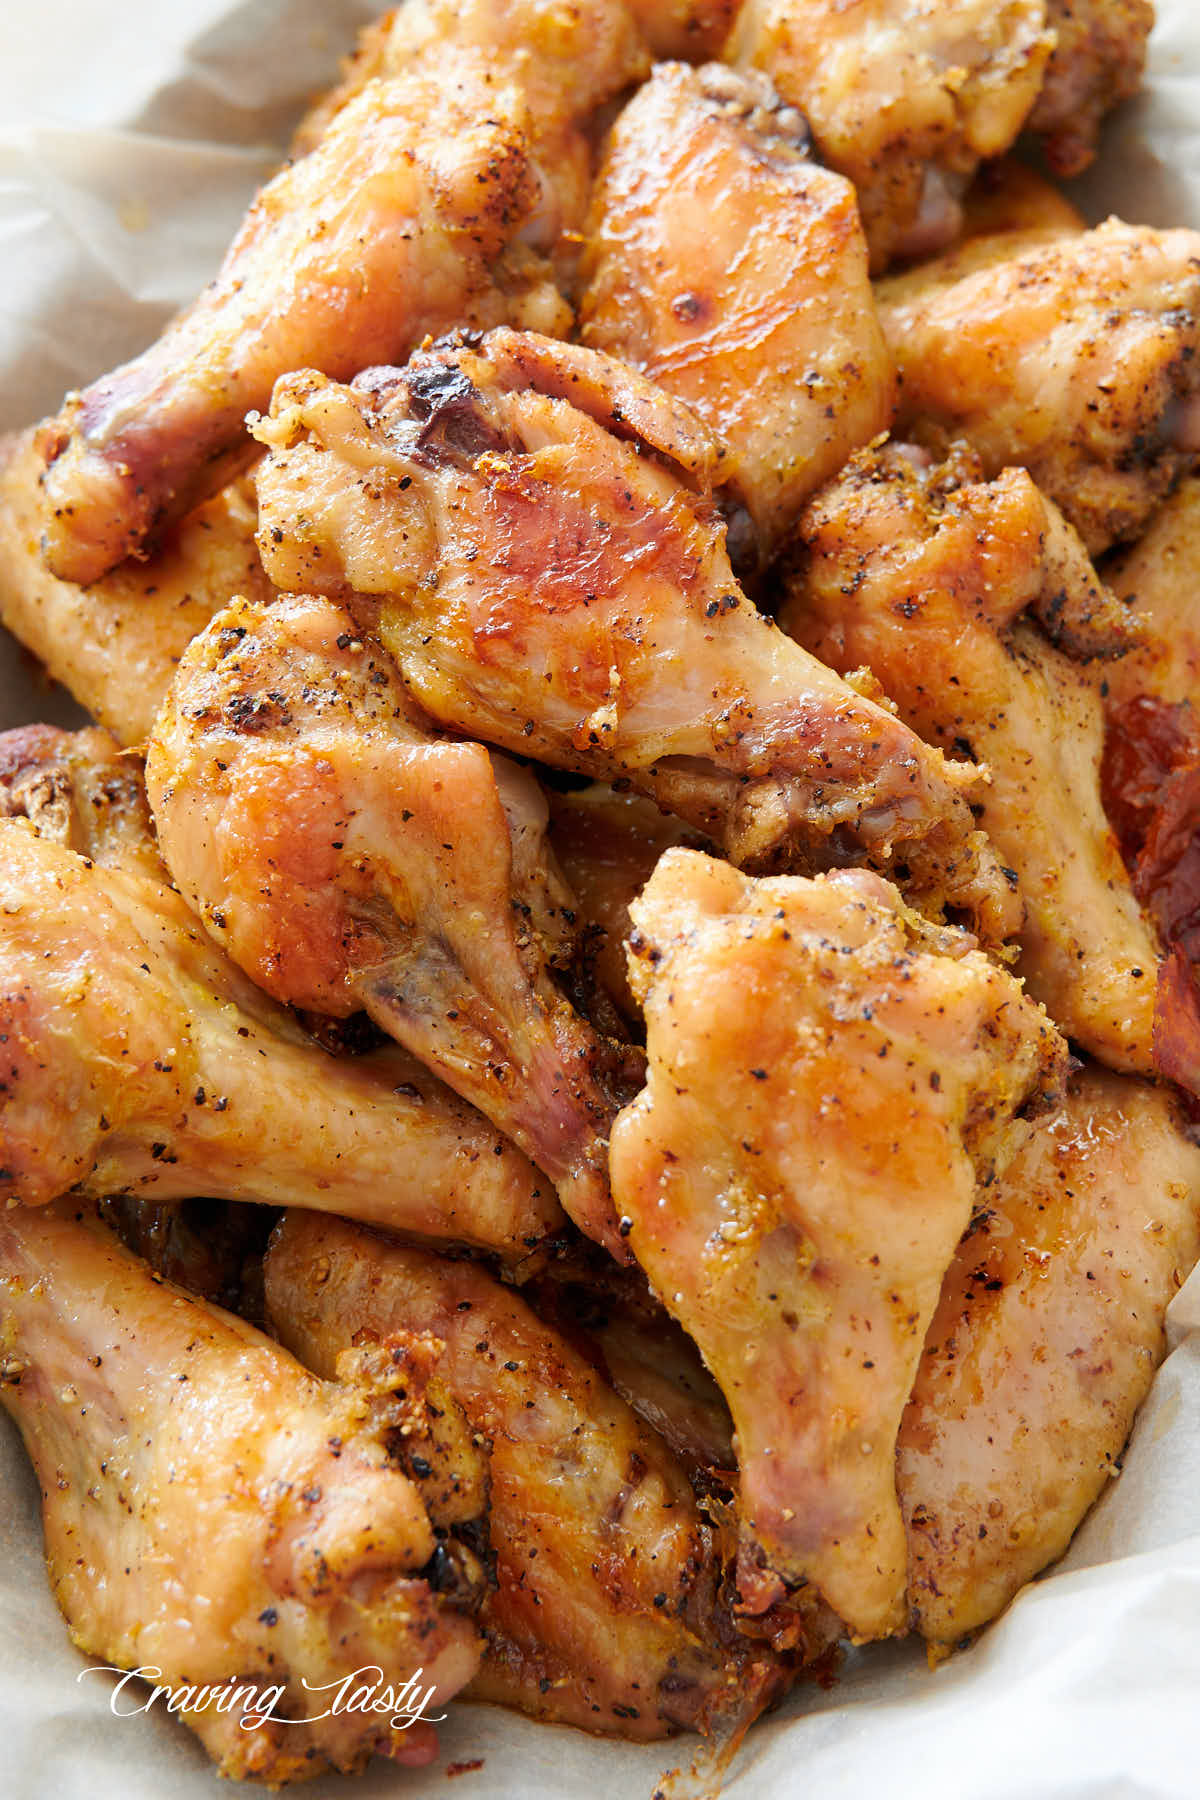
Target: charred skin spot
{"type": "Point", "coordinates": [451, 408]}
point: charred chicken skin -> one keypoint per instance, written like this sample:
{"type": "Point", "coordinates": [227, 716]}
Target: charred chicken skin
{"type": "Point", "coordinates": [829, 1077]}
{"type": "Point", "coordinates": [1076, 359]}
{"type": "Point", "coordinates": [1043, 1346]}
{"type": "Point", "coordinates": [607, 1610]}
{"type": "Point", "coordinates": [216, 1515]}
{"type": "Point", "coordinates": [137, 1057]}
{"type": "Point", "coordinates": [731, 269]}
{"type": "Point", "coordinates": [551, 587]}
{"type": "Point", "coordinates": [975, 605]}
{"type": "Point", "coordinates": [347, 857]}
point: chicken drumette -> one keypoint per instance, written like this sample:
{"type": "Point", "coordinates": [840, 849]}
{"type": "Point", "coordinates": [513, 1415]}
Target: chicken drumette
{"type": "Point", "coordinates": [1076, 359]}
{"type": "Point", "coordinates": [552, 587]}
{"type": "Point", "coordinates": [731, 269]}
{"type": "Point", "coordinates": [350, 858]}
{"type": "Point", "coordinates": [137, 1057]}
{"type": "Point", "coordinates": [608, 1610]}
{"type": "Point", "coordinates": [1043, 1346]}
{"type": "Point", "coordinates": [215, 1514]}
{"type": "Point", "coordinates": [934, 579]}
{"type": "Point", "coordinates": [829, 1077]}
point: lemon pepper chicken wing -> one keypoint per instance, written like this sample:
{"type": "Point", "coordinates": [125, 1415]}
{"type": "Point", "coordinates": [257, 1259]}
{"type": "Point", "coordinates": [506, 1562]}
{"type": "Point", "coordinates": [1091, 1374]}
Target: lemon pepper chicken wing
{"type": "Point", "coordinates": [138, 1058]}
{"type": "Point", "coordinates": [1099, 57]}
{"type": "Point", "coordinates": [1043, 1346]}
{"type": "Point", "coordinates": [828, 1079]}
{"type": "Point", "coordinates": [215, 1513]}
{"type": "Point", "coordinates": [731, 269]}
{"type": "Point", "coordinates": [404, 217]}
{"type": "Point", "coordinates": [349, 858]}
{"type": "Point", "coordinates": [1076, 359]}
{"type": "Point", "coordinates": [934, 580]}
{"type": "Point", "coordinates": [606, 1611]}
{"type": "Point", "coordinates": [555, 589]}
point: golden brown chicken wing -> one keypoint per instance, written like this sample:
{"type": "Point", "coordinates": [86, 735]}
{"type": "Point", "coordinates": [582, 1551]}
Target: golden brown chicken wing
{"type": "Point", "coordinates": [137, 1057]}
{"type": "Point", "coordinates": [1043, 1346]}
{"type": "Point", "coordinates": [217, 1516]}
{"type": "Point", "coordinates": [731, 269]}
{"type": "Point", "coordinates": [115, 644]}
{"type": "Point", "coordinates": [1077, 359]}
{"type": "Point", "coordinates": [456, 135]}
{"type": "Point", "coordinates": [347, 858]}
{"type": "Point", "coordinates": [1099, 58]}
{"type": "Point", "coordinates": [606, 1611]}
{"type": "Point", "coordinates": [927, 578]}
{"type": "Point", "coordinates": [550, 587]}
{"type": "Point", "coordinates": [829, 1077]}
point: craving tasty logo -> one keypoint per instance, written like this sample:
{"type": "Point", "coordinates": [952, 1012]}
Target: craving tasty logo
{"type": "Point", "coordinates": [403, 1706]}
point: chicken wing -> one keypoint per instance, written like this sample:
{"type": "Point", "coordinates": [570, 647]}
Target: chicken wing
{"type": "Point", "coordinates": [349, 858]}
{"type": "Point", "coordinates": [137, 1057]}
{"type": "Point", "coordinates": [218, 1517]}
{"type": "Point", "coordinates": [1099, 58]}
{"type": "Point", "coordinates": [443, 159]}
{"type": "Point", "coordinates": [927, 578]}
{"type": "Point", "coordinates": [732, 270]}
{"type": "Point", "coordinates": [829, 1078]}
{"type": "Point", "coordinates": [553, 589]}
{"type": "Point", "coordinates": [1077, 359]}
{"type": "Point", "coordinates": [115, 644]}
{"type": "Point", "coordinates": [905, 97]}
{"type": "Point", "coordinates": [606, 1611]}
{"type": "Point", "coordinates": [1043, 1346]}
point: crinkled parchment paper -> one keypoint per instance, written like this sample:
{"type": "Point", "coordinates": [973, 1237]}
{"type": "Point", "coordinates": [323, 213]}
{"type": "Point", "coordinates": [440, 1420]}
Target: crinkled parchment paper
{"type": "Point", "coordinates": [130, 139]}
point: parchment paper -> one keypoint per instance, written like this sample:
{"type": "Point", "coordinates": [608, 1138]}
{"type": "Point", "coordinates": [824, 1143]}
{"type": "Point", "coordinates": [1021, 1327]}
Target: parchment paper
{"type": "Point", "coordinates": [130, 139]}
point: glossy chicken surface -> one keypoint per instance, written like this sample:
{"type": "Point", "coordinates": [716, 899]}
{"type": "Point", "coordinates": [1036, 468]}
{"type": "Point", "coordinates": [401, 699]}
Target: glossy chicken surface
{"type": "Point", "coordinates": [115, 644]}
{"type": "Point", "coordinates": [1044, 1343]}
{"type": "Point", "coordinates": [1159, 576]}
{"type": "Point", "coordinates": [447, 145]}
{"type": "Point", "coordinates": [731, 269]}
{"type": "Point", "coordinates": [934, 579]}
{"type": "Point", "coordinates": [905, 97]}
{"type": "Point", "coordinates": [828, 1079]}
{"type": "Point", "coordinates": [137, 1057]}
{"type": "Point", "coordinates": [215, 1513]}
{"type": "Point", "coordinates": [564, 593]}
{"type": "Point", "coordinates": [608, 1610]}
{"type": "Point", "coordinates": [1076, 359]}
{"type": "Point", "coordinates": [349, 858]}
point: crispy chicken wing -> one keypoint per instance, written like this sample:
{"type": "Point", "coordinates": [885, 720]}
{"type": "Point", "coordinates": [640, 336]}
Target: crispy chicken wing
{"type": "Point", "coordinates": [554, 589]}
{"type": "Point", "coordinates": [349, 858]}
{"type": "Point", "coordinates": [445, 156]}
{"type": "Point", "coordinates": [1160, 577]}
{"type": "Point", "coordinates": [215, 1514]}
{"type": "Point", "coordinates": [829, 1077]}
{"type": "Point", "coordinates": [927, 578]}
{"type": "Point", "coordinates": [905, 97]}
{"type": "Point", "coordinates": [1099, 57]}
{"type": "Point", "coordinates": [728, 267]}
{"type": "Point", "coordinates": [1077, 358]}
{"type": "Point", "coordinates": [115, 644]}
{"type": "Point", "coordinates": [606, 1612]}
{"type": "Point", "coordinates": [1043, 1346]}
{"type": "Point", "coordinates": [136, 1056]}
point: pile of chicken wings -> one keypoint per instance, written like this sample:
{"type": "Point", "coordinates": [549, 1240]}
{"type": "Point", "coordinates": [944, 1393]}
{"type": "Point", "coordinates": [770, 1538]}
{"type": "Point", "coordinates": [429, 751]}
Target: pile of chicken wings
{"type": "Point", "coordinates": [599, 1045]}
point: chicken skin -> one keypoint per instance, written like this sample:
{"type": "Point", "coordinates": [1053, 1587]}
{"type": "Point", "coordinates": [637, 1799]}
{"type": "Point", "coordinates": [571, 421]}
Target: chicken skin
{"type": "Point", "coordinates": [438, 170]}
{"type": "Point", "coordinates": [905, 97]}
{"type": "Point", "coordinates": [1099, 58]}
{"type": "Point", "coordinates": [606, 1611]}
{"type": "Point", "coordinates": [138, 1058]}
{"type": "Point", "coordinates": [115, 644]}
{"type": "Point", "coordinates": [731, 269]}
{"type": "Point", "coordinates": [829, 1077]}
{"type": "Point", "coordinates": [1043, 1346]}
{"type": "Point", "coordinates": [554, 589]}
{"type": "Point", "coordinates": [1076, 359]}
{"type": "Point", "coordinates": [348, 858]}
{"type": "Point", "coordinates": [216, 1516]}
{"type": "Point", "coordinates": [933, 579]}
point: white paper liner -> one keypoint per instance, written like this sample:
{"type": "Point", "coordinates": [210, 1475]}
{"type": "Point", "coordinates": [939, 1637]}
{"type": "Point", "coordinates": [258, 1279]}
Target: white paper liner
{"type": "Point", "coordinates": [130, 140]}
